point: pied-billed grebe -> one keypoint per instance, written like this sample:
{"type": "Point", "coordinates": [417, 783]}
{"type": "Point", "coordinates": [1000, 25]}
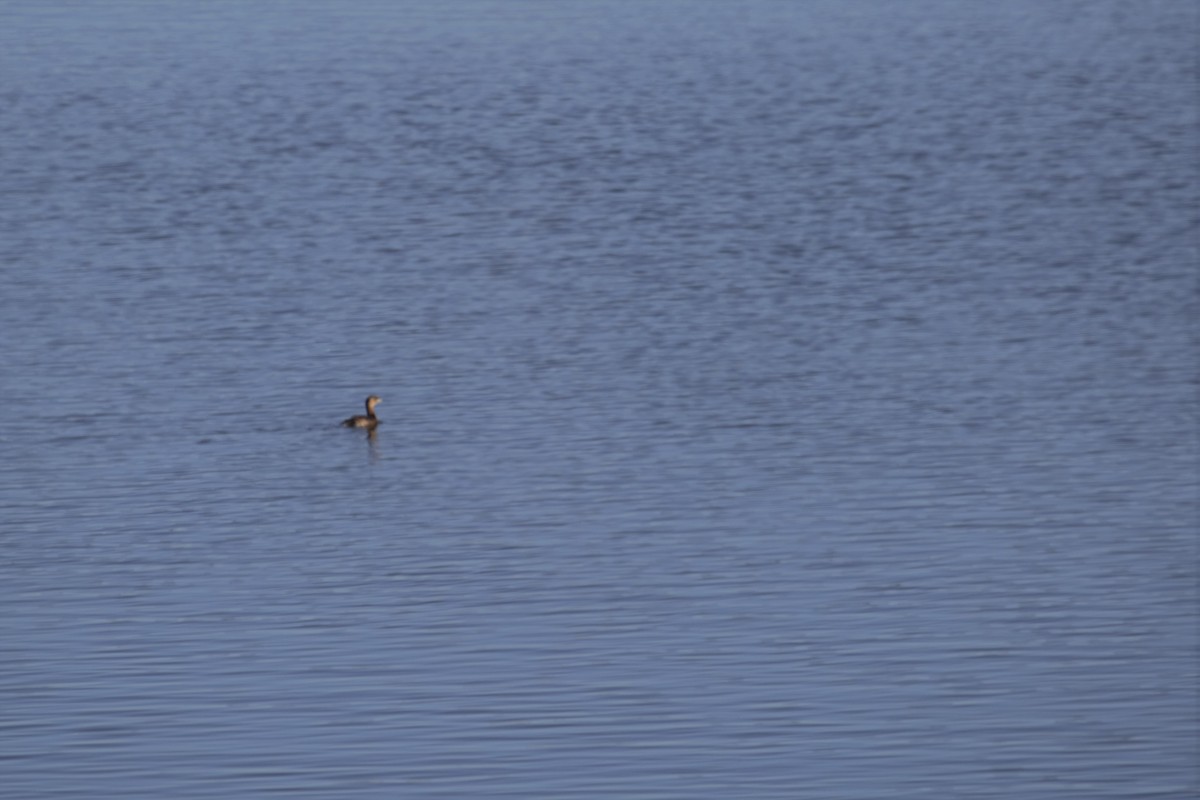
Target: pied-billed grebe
{"type": "Point", "coordinates": [368, 421]}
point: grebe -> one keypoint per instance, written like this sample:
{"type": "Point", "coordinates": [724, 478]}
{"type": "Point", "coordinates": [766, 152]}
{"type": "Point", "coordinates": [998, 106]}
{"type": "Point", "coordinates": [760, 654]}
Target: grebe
{"type": "Point", "coordinates": [368, 421]}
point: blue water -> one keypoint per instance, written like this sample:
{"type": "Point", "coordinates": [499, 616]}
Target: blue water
{"type": "Point", "coordinates": [781, 400]}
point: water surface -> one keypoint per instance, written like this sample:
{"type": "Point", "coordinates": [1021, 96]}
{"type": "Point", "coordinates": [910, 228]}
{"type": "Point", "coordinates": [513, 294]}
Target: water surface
{"type": "Point", "coordinates": [780, 400]}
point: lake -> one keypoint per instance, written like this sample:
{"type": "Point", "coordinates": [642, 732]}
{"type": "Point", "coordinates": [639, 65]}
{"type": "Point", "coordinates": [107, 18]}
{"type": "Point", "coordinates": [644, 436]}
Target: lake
{"type": "Point", "coordinates": [780, 400]}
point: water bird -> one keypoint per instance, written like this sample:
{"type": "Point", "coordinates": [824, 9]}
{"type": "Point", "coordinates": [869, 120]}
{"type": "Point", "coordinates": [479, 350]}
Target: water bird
{"type": "Point", "coordinates": [365, 421]}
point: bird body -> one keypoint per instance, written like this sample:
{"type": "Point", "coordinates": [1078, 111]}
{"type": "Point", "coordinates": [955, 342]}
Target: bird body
{"type": "Point", "coordinates": [368, 420]}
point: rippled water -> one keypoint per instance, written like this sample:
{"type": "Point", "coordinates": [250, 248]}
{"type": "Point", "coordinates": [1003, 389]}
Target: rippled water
{"type": "Point", "coordinates": [780, 400]}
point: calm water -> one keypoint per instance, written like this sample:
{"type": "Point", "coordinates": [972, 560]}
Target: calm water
{"type": "Point", "coordinates": [781, 400]}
